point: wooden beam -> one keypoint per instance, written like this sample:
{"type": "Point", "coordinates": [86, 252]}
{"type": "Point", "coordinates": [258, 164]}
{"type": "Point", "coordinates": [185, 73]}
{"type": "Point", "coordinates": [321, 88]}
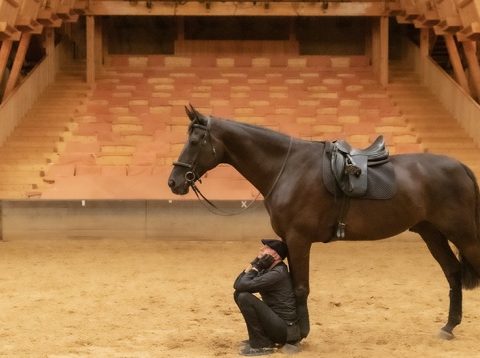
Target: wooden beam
{"type": "Point", "coordinates": [4, 55]}
{"type": "Point", "coordinates": [456, 62]}
{"type": "Point", "coordinates": [90, 38]}
{"type": "Point", "coordinates": [232, 8]}
{"type": "Point", "coordinates": [17, 63]}
{"type": "Point", "coordinates": [470, 50]}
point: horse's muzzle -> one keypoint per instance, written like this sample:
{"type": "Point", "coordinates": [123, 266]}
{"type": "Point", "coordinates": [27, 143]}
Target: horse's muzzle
{"type": "Point", "coordinates": [177, 189]}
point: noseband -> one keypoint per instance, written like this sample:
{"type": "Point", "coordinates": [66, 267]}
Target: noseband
{"type": "Point", "coordinates": [191, 176]}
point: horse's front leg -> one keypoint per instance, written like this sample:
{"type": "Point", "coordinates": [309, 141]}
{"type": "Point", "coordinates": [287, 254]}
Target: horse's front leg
{"type": "Point", "coordinates": [298, 260]}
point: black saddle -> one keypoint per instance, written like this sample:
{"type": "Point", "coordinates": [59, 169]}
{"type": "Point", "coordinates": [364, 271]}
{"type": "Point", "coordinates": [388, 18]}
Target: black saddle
{"type": "Point", "coordinates": [349, 165]}
{"type": "Point", "coordinates": [357, 173]}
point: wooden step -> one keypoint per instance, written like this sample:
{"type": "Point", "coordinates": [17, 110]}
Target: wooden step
{"type": "Point", "coordinates": [452, 134]}
{"type": "Point", "coordinates": [20, 178]}
{"type": "Point", "coordinates": [16, 154]}
{"type": "Point", "coordinates": [13, 194]}
{"type": "Point", "coordinates": [34, 139]}
{"type": "Point", "coordinates": [35, 134]}
{"type": "Point", "coordinates": [19, 187]}
{"type": "Point", "coordinates": [15, 167]}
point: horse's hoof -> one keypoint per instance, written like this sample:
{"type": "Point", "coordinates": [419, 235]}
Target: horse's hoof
{"type": "Point", "coordinates": [443, 334]}
{"type": "Point", "coordinates": [290, 349]}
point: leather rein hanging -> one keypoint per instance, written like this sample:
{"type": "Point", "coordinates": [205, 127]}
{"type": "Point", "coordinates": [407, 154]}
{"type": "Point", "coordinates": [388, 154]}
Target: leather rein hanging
{"type": "Point", "coordinates": [191, 176]}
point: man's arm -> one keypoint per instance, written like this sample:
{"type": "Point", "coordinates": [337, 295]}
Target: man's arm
{"type": "Point", "coordinates": [252, 281]}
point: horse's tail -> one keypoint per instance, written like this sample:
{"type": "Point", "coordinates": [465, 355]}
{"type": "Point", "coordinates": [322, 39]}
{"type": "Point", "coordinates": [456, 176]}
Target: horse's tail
{"type": "Point", "coordinates": [470, 275]}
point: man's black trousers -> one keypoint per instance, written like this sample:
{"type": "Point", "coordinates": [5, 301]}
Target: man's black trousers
{"type": "Point", "coordinates": [264, 326]}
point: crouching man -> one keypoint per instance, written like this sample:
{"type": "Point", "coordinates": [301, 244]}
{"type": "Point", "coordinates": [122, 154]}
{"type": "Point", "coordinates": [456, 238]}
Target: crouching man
{"type": "Point", "coordinates": [272, 320]}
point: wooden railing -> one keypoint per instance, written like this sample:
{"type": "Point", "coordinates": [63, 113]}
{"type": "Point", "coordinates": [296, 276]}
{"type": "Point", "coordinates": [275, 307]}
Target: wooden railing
{"type": "Point", "coordinates": [458, 103]}
{"type": "Point", "coordinates": [23, 97]}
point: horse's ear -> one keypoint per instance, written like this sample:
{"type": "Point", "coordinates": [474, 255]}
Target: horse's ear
{"type": "Point", "coordinates": [190, 113]}
{"type": "Point", "coordinates": [198, 116]}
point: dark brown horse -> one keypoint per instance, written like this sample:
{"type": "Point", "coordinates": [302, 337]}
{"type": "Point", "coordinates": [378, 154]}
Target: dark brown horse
{"type": "Point", "coordinates": [436, 196]}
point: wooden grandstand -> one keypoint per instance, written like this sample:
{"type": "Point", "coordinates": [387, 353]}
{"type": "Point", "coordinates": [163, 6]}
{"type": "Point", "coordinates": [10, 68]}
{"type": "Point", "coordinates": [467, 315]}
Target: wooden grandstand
{"type": "Point", "coordinates": [97, 125]}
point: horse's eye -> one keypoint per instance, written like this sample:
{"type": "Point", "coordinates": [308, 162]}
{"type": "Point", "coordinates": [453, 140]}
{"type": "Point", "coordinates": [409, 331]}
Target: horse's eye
{"type": "Point", "coordinates": [193, 141]}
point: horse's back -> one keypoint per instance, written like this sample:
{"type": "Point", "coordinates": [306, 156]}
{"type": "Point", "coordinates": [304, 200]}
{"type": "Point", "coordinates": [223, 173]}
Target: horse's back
{"type": "Point", "coordinates": [435, 180]}
{"type": "Point", "coordinates": [426, 165]}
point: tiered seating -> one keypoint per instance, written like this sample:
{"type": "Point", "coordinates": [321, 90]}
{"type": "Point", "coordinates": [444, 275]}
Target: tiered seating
{"type": "Point", "coordinates": [33, 145]}
{"type": "Point", "coordinates": [134, 125]}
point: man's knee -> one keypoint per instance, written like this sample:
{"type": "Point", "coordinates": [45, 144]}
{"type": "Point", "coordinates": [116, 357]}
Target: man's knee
{"type": "Point", "coordinates": [242, 298]}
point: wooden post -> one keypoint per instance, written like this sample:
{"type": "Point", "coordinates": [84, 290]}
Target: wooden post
{"type": "Point", "coordinates": [49, 41]}
{"type": "Point", "coordinates": [17, 63]}
{"type": "Point", "coordinates": [379, 48]}
{"type": "Point", "coordinates": [470, 50]}
{"type": "Point", "coordinates": [90, 25]}
{"type": "Point", "coordinates": [456, 62]}
{"type": "Point", "coordinates": [4, 54]}
{"type": "Point", "coordinates": [383, 74]}
{"type": "Point", "coordinates": [424, 50]}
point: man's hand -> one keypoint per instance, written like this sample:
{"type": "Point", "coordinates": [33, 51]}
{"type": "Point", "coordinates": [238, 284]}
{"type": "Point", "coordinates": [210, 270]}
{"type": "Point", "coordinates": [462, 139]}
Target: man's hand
{"type": "Point", "coordinates": [263, 262]}
{"type": "Point", "coordinates": [254, 261]}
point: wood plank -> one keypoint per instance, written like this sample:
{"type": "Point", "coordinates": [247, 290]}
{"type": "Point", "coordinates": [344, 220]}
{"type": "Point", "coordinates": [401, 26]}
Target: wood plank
{"type": "Point", "coordinates": [230, 8]}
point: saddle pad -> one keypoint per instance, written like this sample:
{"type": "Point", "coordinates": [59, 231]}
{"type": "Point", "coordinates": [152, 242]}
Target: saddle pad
{"type": "Point", "coordinates": [381, 180]}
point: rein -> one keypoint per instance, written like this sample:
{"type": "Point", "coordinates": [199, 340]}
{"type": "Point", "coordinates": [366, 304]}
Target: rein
{"type": "Point", "coordinates": [191, 177]}
{"type": "Point", "coordinates": [214, 209]}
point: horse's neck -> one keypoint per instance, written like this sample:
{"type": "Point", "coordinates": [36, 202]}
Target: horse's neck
{"type": "Point", "coordinates": [256, 153]}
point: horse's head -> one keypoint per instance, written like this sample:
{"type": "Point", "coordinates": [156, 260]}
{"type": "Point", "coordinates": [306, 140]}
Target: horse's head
{"type": "Point", "coordinates": [198, 155]}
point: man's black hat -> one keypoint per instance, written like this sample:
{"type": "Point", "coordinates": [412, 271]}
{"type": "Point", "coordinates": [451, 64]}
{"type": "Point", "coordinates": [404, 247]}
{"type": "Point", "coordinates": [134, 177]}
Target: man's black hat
{"type": "Point", "coordinates": [279, 246]}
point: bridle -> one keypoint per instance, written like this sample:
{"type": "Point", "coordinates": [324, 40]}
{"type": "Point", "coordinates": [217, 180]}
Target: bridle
{"type": "Point", "coordinates": [191, 176]}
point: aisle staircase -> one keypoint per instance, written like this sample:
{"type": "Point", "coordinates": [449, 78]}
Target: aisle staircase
{"type": "Point", "coordinates": [436, 129]}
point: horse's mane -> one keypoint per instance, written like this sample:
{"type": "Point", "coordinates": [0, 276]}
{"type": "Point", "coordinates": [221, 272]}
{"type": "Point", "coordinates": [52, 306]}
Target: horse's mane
{"type": "Point", "coordinates": [254, 127]}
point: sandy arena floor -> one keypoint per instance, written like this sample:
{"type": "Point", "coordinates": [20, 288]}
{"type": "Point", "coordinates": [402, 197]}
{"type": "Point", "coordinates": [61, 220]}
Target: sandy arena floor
{"type": "Point", "coordinates": [114, 298]}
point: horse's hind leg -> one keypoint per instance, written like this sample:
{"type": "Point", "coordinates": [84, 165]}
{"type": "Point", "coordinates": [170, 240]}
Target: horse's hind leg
{"type": "Point", "coordinates": [442, 252]}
